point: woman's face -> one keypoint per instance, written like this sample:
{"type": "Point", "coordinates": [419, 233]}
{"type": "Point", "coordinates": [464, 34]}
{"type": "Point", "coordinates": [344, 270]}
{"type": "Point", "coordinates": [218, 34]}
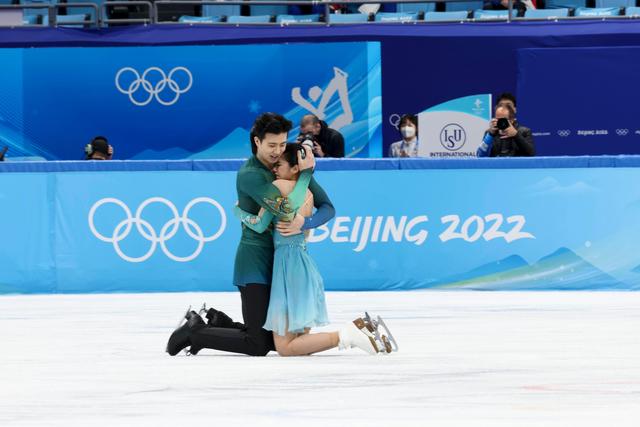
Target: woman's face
{"type": "Point", "coordinates": [408, 130]}
{"type": "Point", "coordinates": [283, 170]}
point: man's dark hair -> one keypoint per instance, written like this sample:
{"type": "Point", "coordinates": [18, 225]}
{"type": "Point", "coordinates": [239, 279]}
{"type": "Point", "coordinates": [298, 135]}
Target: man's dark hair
{"type": "Point", "coordinates": [268, 123]}
{"type": "Point", "coordinates": [508, 96]}
{"type": "Point", "coordinates": [408, 118]}
{"type": "Point", "coordinates": [99, 144]}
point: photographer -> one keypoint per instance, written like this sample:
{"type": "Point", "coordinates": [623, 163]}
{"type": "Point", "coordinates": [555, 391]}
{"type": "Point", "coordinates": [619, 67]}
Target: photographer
{"type": "Point", "coordinates": [98, 149]}
{"type": "Point", "coordinates": [327, 142]}
{"type": "Point", "coordinates": [505, 137]}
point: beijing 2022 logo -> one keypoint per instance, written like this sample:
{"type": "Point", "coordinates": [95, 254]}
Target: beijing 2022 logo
{"type": "Point", "coordinates": [157, 236]}
{"type": "Point", "coordinates": [453, 137]}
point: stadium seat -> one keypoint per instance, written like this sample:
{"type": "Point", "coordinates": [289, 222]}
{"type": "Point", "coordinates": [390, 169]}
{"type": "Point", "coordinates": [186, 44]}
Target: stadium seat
{"type": "Point", "coordinates": [30, 20]}
{"type": "Point", "coordinates": [259, 19]}
{"type": "Point", "coordinates": [466, 5]}
{"type": "Point", "coordinates": [297, 19]}
{"type": "Point", "coordinates": [568, 4]}
{"type": "Point", "coordinates": [416, 7]}
{"type": "Point", "coordinates": [632, 11]}
{"type": "Point", "coordinates": [446, 16]}
{"type": "Point", "coordinates": [348, 18]}
{"type": "Point", "coordinates": [488, 15]}
{"type": "Point", "coordinates": [615, 3]}
{"type": "Point", "coordinates": [220, 10]}
{"type": "Point", "coordinates": [597, 11]}
{"type": "Point", "coordinates": [41, 14]}
{"type": "Point", "coordinates": [396, 17]}
{"type": "Point", "coordinates": [546, 13]}
{"type": "Point", "coordinates": [72, 20]}
{"type": "Point", "coordinates": [270, 9]}
{"type": "Point", "coordinates": [186, 19]}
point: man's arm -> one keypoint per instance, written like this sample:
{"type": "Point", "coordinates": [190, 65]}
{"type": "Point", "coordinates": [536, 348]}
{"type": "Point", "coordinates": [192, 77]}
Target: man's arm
{"type": "Point", "coordinates": [337, 145]}
{"type": "Point", "coordinates": [324, 208]}
{"type": "Point", "coordinates": [258, 223]}
{"type": "Point", "coordinates": [524, 141]}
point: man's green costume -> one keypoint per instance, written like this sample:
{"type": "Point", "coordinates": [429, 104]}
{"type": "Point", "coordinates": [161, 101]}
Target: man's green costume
{"type": "Point", "coordinates": [254, 183]}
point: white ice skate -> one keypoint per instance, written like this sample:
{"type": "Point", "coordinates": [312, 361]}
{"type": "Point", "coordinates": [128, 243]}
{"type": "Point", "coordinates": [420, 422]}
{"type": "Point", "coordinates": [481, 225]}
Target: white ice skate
{"type": "Point", "coordinates": [356, 334]}
{"type": "Point", "coordinates": [385, 341]}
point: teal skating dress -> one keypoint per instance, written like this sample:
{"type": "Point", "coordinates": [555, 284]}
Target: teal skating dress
{"type": "Point", "coordinates": [297, 290]}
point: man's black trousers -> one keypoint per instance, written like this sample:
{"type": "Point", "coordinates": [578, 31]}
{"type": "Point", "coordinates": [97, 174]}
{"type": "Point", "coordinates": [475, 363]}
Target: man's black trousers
{"type": "Point", "coordinates": [252, 339]}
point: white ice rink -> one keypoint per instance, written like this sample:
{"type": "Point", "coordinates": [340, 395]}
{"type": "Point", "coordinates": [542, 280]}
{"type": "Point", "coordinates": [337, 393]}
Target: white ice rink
{"type": "Point", "coordinates": [466, 359]}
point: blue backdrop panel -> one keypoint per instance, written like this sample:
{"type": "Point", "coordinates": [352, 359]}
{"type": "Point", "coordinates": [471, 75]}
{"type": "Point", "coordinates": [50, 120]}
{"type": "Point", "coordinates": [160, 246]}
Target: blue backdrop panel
{"type": "Point", "coordinates": [572, 226]}
{"type": "Point", "coordinates": [27, 244]}
{"type": "Point", "coordinates": [422, 67]}
{"type": "Point", "coordinates": [581, 100]}
{"type": "Point", "coordinates": [184, 102]}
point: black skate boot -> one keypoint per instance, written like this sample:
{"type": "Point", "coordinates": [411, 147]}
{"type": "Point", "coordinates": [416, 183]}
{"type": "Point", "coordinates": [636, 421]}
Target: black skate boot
{"type": "Point", "coordinates": [218, 319]}
{"type": "Point", "coordinates": [180, 338]}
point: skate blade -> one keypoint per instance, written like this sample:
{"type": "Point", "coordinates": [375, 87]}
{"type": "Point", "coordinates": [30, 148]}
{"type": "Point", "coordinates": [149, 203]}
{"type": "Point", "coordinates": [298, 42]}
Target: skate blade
{"type": "Point", "coordinates": [183, 319]}
{"type": "Point", "coordinates": [387, 339]}
{"type": "Point", "coordinates": [203, 309]}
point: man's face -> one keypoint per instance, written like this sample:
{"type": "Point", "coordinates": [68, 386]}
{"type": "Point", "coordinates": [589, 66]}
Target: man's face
{"type": "Point", "coordinates": [502, 113]}
{"type": "Point", "coordinates": [311, 128]}
{"type": "Point", "coordinates": [271, 147]}
{"type": "Point", "coordinates": [505, 102]}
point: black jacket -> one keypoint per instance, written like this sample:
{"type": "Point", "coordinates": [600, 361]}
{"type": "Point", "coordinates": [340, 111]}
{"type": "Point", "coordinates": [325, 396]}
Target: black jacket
{"type": "Point", "coordinates": [520, 145]}
{"type": "Point", "coordinates": [331, 141]}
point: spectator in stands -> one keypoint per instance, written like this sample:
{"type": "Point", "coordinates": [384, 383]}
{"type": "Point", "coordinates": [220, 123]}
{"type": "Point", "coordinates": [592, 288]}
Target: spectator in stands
{"type": "Point", "coordinates": [327, 142]}
{"type": "Point", "coordinates": [98, 149]}
{"type": "Point", "coordinates": [506, 137]}
{"type": "Point", "coordinates": [507, 98]}
{"type": "Point", "coordinates": [518, 5]}
{"type": "Point", "coordinates": [408, 145]}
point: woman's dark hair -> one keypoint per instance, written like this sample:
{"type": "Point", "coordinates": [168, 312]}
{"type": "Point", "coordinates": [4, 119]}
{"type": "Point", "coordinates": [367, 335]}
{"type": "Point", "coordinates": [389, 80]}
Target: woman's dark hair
{"type": "Point", "coordinates": [290, 154]}
{"type": "Point", "coordinates": [408, 118]}
{"type": "Point", "coordinates": [268, 123]}
{"type": "Point", "coordinates": [412, 118]}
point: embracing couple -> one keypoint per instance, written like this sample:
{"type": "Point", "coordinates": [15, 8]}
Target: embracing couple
{"type": "Point", "coordinates": [281, 289]}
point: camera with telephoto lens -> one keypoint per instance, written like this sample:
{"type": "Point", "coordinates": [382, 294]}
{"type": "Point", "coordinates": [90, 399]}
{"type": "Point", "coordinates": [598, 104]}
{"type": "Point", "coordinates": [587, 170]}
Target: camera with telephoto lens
{"type": "Point", "coordinates": [503, 124]}
{"type": "Point", "coordinates": [305, 139]}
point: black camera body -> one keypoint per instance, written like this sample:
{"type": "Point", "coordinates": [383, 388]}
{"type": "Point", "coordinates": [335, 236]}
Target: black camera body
{"type": "Point", "coordinates": [503, 124]}
{"type": "Point", "coordinates": [305, 139]}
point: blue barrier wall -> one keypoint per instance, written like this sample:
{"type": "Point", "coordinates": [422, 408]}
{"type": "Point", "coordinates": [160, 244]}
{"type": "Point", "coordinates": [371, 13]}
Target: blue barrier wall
{"type": "Point", "coordinates": [488, 224]}
{"type": "Point", "coordinates": [415, 67]}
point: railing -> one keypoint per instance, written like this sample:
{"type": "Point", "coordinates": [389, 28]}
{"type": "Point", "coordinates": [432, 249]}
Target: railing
{"type": "Point", "coordinates": [52, 13]}
{"type": "Point", "coordinates": [153, 11]}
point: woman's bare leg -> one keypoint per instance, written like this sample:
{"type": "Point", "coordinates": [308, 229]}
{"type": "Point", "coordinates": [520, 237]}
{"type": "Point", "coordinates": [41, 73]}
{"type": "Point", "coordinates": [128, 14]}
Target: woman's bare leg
{"type": "Point", "coordinates": [304, 344]}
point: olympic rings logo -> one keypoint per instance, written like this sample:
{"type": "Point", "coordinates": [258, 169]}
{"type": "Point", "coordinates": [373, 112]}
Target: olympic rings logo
{"type": "Point", "coordinates": [564, 133]}
{"type": "Point", "coordinates": [622, 132]}
{"type": "Point", "coordinates": [143, 84]}
{"type": "Point", "coordinates": [168, 230]}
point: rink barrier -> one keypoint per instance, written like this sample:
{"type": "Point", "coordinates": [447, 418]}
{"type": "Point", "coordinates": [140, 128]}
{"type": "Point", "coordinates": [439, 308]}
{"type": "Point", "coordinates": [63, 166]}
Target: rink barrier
{"type": "Point", "coordinates": [167, 226]}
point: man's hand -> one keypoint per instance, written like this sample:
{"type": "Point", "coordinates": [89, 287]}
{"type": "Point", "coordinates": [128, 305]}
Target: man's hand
{"type": "Point", "coordinates": [287, 228]}
{"type": "Point", "coordinates": [317, 149]}
{"type": "Point", "coordinates": [110, 153]}
{"type": "Point", "coordinates": [309, 162]}
{"type": "Point", "coordinates": [509, 132]}
{"type": "Point", "coordinates": [493, 126]}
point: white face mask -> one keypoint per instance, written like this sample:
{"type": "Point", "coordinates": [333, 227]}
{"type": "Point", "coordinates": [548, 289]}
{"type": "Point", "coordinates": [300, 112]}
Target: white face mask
{"type": "Point", "coordinates": [408, 132]}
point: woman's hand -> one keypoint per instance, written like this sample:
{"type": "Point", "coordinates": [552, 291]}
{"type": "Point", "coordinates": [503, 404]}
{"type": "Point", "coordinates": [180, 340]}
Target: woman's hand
{"type": "Point", "coordinates": [287, 228]}
{"type": "Point", "coordinates": [309, 162]}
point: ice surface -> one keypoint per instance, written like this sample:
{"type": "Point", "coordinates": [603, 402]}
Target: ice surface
{"type": "Point", "coordinates": [466, 359]}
